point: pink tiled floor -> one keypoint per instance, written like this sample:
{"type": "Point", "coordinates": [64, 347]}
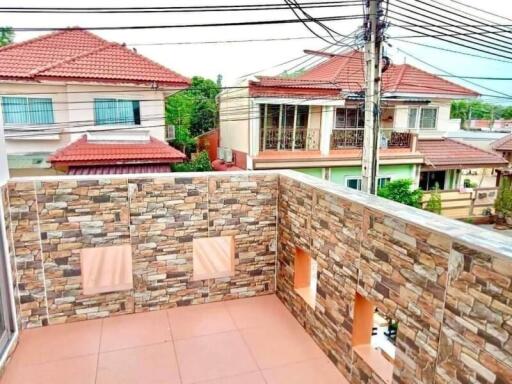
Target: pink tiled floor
{"type": "Point", "coordinates": [249, 341]}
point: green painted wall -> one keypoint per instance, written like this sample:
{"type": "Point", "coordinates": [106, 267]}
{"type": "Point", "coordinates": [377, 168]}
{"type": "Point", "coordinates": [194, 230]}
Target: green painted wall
{"type": "Point", "coordinates": [317, 172]}
{"type": "Point", "coordinates": [338, 174]}
{"type": "Point", "coordinates": [402, 171]}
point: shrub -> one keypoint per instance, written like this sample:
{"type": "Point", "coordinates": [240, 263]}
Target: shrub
{"type": "Point", "coordinates": [434, 203]}
{"type": "Point", "coordinates": [200, 164]}
{"type": "Point", "coordinates": [401, 190]}
{"type": "Point", "coordinates": [503, 203]}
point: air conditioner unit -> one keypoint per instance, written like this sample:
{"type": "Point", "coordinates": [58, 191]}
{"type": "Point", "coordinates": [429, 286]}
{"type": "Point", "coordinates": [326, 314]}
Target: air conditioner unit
{"type": "Point", "coordinates": [220, 153]}
{"type": "Point", "coordinates": [228, 155]}
{"type": "Point", "coordinates": [171, 132]}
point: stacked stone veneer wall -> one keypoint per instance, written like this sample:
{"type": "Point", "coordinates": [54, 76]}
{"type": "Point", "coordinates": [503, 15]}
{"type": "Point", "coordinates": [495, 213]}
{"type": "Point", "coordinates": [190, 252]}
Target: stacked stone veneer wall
{"type": "Point", "coordinates": [453, 303]}
{"type": "Point", "coordinates": [51, 221]}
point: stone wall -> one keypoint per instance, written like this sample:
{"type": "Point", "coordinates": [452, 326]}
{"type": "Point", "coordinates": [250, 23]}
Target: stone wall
{"type": "Point", "coordinates": [452, 302]}
{"type": "Point", "coordinates": [53, 220]}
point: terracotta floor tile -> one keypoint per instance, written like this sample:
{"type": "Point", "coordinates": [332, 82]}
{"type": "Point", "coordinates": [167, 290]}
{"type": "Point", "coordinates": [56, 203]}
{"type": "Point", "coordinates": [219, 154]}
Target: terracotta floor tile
{"type": "Point", "coordinates": [77, 370]}
{"type": "Point", "coordinates": [57, 342]}
{"type": "Point", "coordinates": [199, 320]}
{"type": "Point", "coordinates": [320, 371]}
{"type": "Point", "coordinates": [136, 330]}
{"type": "Point", "coordinates": [151, 364]}
{"type": "Point", "coordinates": [213, 356]}
{"type": "Point", "coordinates": [274, 346]}
{"type": "Point", "coordinates": [259, 311]}
{"type": "Point", "coordinates": [247, 378]}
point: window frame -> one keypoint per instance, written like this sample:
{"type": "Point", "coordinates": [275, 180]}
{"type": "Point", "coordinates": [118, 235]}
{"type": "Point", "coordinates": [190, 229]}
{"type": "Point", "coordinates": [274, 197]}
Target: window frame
{"type": "Point", "coordinates": [29, 118]}
{"type": "Point", "coordinates": [136, 110]}
{"type": "Point", "coordinates": [359, 119]}
{"type": "Point", "coordinates": [418, 117]}
{"type": "Point", "coordinates": [360, 180]}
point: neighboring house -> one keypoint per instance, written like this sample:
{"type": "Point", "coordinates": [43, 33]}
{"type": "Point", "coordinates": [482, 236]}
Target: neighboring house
{"type": "Point", "coordinates": [500, 125]}
{"type": "Point", "coordinates": [118, 153]}
{"type": "Point", "coordinates": [56, 87]}
{"type": "Point", "coordinates": [503, 146]}
{"type": "Point", "coordinates": [314, 122]}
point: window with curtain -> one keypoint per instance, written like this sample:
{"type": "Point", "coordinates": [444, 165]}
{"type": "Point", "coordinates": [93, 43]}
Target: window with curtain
{"type": "Point", "coordinates": [413, 113]}
{"type": "Point", "coordinates": [27, 110]}
{"type": "Point", "coordinates": [116, 111]}
{"type": "Point", "coordinates": [428, 118]}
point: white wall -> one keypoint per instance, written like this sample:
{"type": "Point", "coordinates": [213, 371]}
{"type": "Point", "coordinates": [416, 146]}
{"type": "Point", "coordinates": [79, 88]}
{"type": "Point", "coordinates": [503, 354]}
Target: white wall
{"type": "Point", "coordinates": [74, 105]}
{"type": "Point", "coordinates": [235, 114]}
{"type": "Point", "coordinates": [444, 123]}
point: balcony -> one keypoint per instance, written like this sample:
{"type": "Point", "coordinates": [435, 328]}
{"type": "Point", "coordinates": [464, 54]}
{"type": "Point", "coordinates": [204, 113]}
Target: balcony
{"type": "Point", "coordinates": [354, 138]}
{"type": "Point", "coordinates": [317, 283]}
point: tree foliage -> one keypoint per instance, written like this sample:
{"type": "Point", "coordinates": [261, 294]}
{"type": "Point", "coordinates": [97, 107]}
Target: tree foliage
{"type": "Point", "coordinates": [477, 109]}
{"type": "Point", "coordinates": [6, 36]}
{"type": "Point", "coordinates": [192, 111]}
{"type": "Point", "coordinates": [401, 190]}
{"type": "Point", "coordinates": [503, 202]}
{"type": "Point", "coordinates": [434, 204]}
{"type": "Point", "coordinates": [200, 164]}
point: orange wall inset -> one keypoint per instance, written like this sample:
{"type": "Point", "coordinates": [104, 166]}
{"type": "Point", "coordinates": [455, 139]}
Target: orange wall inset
{"type": "Point", "coordinates": [363, 321]}
{"type": "Point", "coordinates": [302, 277]}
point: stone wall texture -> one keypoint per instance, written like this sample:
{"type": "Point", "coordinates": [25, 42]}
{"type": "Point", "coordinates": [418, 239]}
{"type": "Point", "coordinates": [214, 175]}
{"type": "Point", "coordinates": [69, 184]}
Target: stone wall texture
{"type": "Point", "coordinates": [453, 302]}
{"type": "Point", "coordinates": [51, 221]}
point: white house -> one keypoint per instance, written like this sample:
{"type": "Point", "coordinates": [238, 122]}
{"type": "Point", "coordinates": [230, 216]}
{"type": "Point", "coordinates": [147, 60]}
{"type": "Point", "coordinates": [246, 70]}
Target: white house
{"type": "Point", "coordinates": [58, 86]}
{"type": "Point", "coordinates": [314, 122]}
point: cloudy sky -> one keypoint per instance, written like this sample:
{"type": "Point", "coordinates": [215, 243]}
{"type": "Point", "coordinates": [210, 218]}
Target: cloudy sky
{"type": "Point", "coordinates": [236, 59]}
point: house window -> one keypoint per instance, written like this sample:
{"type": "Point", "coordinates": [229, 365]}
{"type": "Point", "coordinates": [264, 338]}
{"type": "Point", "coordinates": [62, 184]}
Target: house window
{"type": "Point", "coordinates": [305, 276]}
{"type": "Point", "coordinates": [428, 180]}
{"type": "Point", "coordinates": [349, 118]}
{"type": "Point", "coordinates": [355, 182]}
{"type": "Point", "coordinates": [213, 257]}
{"type": "Point", "coordinates": [116, 111]}
{"type": "Point", "coordinates": [374, 338]}
{"type": "Point", "coordinates": [283, 126]}
{"type": "Point", "coordinates": [423, 118]}
{"type": "Point", "coordinates": [27, 110]}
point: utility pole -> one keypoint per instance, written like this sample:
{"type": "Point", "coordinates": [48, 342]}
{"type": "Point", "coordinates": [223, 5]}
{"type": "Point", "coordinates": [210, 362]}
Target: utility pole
{"type": "Point", "coordinates": [372, 55]}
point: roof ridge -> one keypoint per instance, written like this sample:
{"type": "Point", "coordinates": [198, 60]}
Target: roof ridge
{"type": "Point", "coordinates": [503, 140]}
{"type": "Point", "coordinates": [35, 39]}
{"type": "Point", "coordinates": [346, 58]}
{"type": "Point", "coordinates": [70, 58]}
{"type": "Point", "coordinates": [399, 77]}
{"type": "Point", "coordinates": [443, 79]}
{"type": "Point", "coordinates": [147, 59]}
{"type": "Point", "coordinates": [473, 147]}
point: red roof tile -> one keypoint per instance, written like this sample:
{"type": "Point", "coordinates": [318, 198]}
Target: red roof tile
{"type": "Point", "coordinates": [451, 154]}
{"type": "Point", "coordinates": [82, 152]}
{"type": "Point", "coordinates": [503, 144]}
{"type": "Point", "coordinates": [345, 73]}
{"type": "Point", "coordinates": [78, 55]}
{"type": "Point", "coordinates": [119, 169]}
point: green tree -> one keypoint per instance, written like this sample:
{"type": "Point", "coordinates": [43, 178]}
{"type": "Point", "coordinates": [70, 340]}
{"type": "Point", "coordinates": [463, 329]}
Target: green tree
{"type": "Point", "coordinates": [192, 111]}
{"type": "Point", "coordinates": [401, 190]}
{"type": "Point", "coordinates": [434, 204]}
{"type": "Point", "coordinates": [475, 109]}
{"type": "Point", "coordinates": [200, 164]}
{"type": "Point", "coordinates": [6, 36]}
{"type": "Point", "coordinates": [503, 202]}
{"type": "Point", "coordinates": [506, 113]}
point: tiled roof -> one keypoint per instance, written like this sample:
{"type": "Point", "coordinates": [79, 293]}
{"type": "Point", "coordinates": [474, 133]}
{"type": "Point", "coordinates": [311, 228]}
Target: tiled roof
{"type": "Point", "coordinates": [345, 73]}
{"type": "Point", "coordinates": [78, 55]}
{"type": "Point", "coordinates": [503, 144]}
{"type": "Point", "coordinates": [118, 169]}
{"type": "Point", "coordinates": [82, 152]}
{"type": "Point", "coordinates": [451, 154]}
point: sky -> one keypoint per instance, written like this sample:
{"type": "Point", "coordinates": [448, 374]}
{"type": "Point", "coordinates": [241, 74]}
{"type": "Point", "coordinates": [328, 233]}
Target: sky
{"type": "Point", "coordinates": [233, 60]}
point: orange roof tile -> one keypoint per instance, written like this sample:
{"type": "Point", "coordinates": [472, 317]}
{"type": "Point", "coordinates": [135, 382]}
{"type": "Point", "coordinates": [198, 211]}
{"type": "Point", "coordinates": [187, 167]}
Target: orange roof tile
{"type": "Point", "coordinates": [78, 55]}
{"type": "Point", "coordinates": [451, 154]}
{"type": "Point", "coordinates": [83, 152]}
{"type": "Point", "coordinates": [345, 73]}
{"type": "Point", "coordinates": [503, 144]}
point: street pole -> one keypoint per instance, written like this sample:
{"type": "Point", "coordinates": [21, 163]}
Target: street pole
{"type": "Point", "coordinates": [372, 56]}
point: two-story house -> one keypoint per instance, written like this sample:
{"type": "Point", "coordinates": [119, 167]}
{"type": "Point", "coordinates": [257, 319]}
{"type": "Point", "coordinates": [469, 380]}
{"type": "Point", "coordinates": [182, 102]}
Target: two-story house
{"type": "Point", "coordinates": [73, 86]}
{"type": "Point", "coordinates": [314, 122]}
